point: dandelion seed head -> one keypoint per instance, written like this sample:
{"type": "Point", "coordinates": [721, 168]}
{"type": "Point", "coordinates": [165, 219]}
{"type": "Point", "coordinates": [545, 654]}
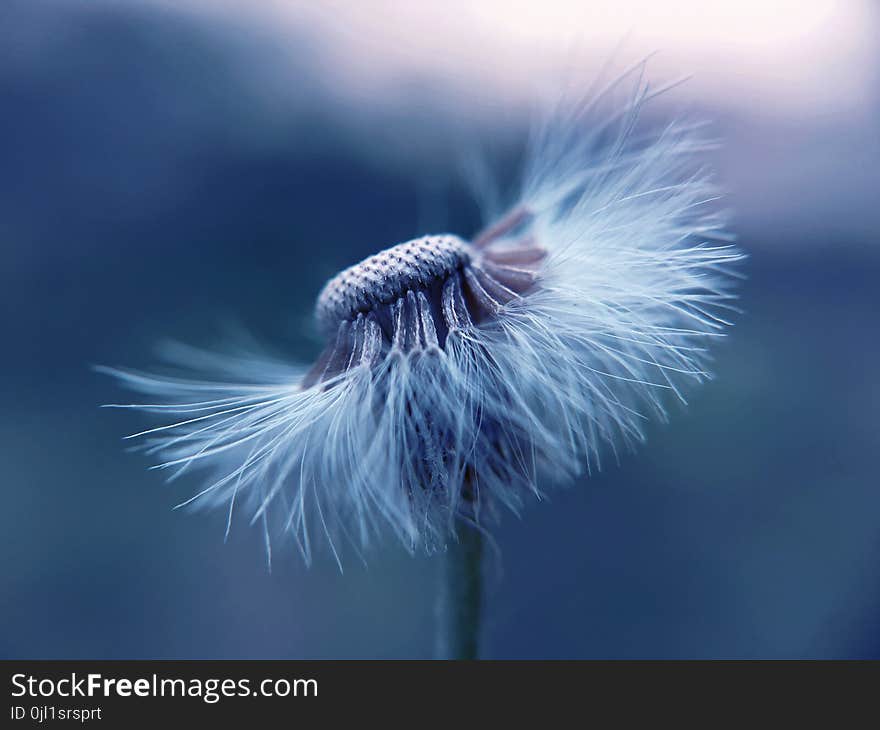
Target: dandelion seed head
{"type": "Point", "coordinates": [411, 296]}
{"type": "Point", "coordinates": [463, 376]}
{"type": "Point", "coordinates": [385, 277]}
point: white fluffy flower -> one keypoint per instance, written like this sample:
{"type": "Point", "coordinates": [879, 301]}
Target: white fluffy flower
{"type": "Point", "coordinates": [463, 375]}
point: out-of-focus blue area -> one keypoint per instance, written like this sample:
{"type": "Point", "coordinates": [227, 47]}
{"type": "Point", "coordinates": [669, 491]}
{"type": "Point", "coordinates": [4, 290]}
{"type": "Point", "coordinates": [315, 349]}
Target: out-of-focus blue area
{"type": "Point", "coordinates": [150, 187]}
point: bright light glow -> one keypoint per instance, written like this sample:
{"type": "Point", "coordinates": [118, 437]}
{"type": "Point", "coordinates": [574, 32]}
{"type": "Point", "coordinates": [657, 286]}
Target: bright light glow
{"type": "Point", "coordinates": [779, 55]}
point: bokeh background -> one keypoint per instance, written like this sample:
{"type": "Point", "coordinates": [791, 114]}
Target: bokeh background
{"type": "Point", "coordinates": [177, 169]}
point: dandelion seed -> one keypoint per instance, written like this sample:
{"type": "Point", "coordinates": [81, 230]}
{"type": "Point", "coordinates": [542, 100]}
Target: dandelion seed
{"type": "Point", "coordinates": [463, 376]}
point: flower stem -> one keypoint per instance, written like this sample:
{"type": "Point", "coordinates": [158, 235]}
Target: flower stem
{"type": "Point", "coordinates": [461, 596]}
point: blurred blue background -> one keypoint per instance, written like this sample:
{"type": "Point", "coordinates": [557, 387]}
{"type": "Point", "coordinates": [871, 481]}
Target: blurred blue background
{"type": "Point", "coordinates": [168, 168]}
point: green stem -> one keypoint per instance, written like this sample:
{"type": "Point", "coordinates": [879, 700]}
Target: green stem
{"type": "Point", "coordinates": [461, 596]}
